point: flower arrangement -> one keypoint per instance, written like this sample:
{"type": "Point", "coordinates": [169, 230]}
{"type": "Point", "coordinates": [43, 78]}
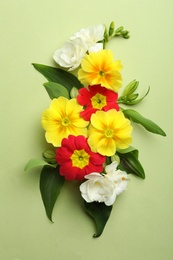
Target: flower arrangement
{"type": "Point", "coordinates": [89, 131]}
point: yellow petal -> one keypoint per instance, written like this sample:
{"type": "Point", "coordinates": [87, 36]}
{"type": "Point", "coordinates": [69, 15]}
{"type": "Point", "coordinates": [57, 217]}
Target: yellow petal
{"type": "Point", "coordinates": [72, 107]}
{"type": "Point", "coordinates": [107, 147]}
{"type": "Point", "coordinates": [50, 120]}
{"type": "Point", "coordinates": [99, 120]}
{"type": "Point", "coordinates": [118, 65]}
{"type": "Point", "coordinates": [117, 119]}
{"type": "Point", "coordinates": [124, 143]}
{"type": "Point", "coordinates": [59, 104]}
{"type": "Point", "coordinates": [77, 130]}
{"type": "Point", "coordinates": [93, 140]}
{"type": "Point", "coordinates": [54, 137]}
{"type": "Point", "coordinates": [80, 122]}
{"type": "Point", "coordinates": [87, 63]}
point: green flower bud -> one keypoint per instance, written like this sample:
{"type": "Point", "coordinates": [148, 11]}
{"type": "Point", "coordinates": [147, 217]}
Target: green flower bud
{"type": "Point", "coordinates": [126, 36]}
{"type": "Point", "coordinates": [120, 29]}
{"type": "Point", "coordinates": [132, 97]}
{"type": "Point", "coordinates": [124, 33]}
{"type": "Point", "coordinates": [73, 92]}
{"type": "Point", "coordinates": [131, 87]}
{"type": "Point", "coordinates": [106, 37]}
{"type": "Point", "coordinates": [49, 156]}
{"type": "Point", "coordinates": [105, 31]}
{"type": "Point", "coordinates": [111, 29]}
{"type": "Point", "coordinates": [115, 158]}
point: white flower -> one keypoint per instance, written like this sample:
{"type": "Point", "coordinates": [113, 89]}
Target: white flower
{"type": "Point", "coordinates": [120, 178]}
{"type": "Point", "coordinates": [71, 54]}
{"type": "Point", "coordinates": [104, 187]}
{"type": "Point", "coordinates": [91, 36]}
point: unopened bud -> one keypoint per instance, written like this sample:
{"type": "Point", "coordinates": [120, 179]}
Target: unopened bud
{"type": "Point", "coordinates": [106, 38]}
{"type": "Point", "coordinates": [131, 87]}
{"type": "Point", "coordinates": [115, 158]}
{"type": "Point", "coordinates": [49, 156]}
{"type": "Point", "coordinates": [132, 97]}
{"type": "Point", "coordinates": [126, 36]}
{"type": "Point", "coordinates": [124, 33]}
{"type": "Point", "coordinates": [111, 29]}
{"type": "Point", "coordinates": [120, 29]}
{"type": "Point", "coordinates": [74, 92]}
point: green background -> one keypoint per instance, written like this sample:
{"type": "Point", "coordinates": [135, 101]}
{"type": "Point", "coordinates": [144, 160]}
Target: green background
{"type": "Point", "coordinates": [140, 226]}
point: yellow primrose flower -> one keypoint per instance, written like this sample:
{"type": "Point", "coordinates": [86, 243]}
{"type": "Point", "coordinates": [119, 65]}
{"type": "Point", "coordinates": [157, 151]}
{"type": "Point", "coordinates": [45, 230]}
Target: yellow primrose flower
{"type": "Point", "coordinates": [100, 68]}
{"type": "Point", "coordinates": [62, 119]}
{"type": "Point", "coordinates": [108, 131]}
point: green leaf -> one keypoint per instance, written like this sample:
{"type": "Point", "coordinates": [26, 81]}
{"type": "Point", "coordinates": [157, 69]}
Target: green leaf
{"type": "Point", "coordinates": [33, 163]}
{"type": "Point", "coordinates": [50, 185]}
{"type": "Point", "coordinates": [60, 76]}
{"type": "Point", "coordinates": [146, 123]}
{"type": "Point", "coordinates": [100, 213]}
{"type": "Point", "coordinates": [130, 163]}
{"type": "Point", "coordinates": [56, 90]}
{"type": "Point", "coordinates": [127, 150]}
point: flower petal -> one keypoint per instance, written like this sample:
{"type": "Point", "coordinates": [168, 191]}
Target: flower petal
{"type": "Point", "coordinates": [106, 146]}
{"type": "Point", "coordinates": [93, 140]}
{"type": "Point", "coordinates": [99, 120]}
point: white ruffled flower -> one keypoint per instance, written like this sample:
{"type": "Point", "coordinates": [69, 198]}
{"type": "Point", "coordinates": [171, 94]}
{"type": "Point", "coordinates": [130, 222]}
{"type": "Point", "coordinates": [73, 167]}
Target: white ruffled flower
{"type": "Point", "coordinates": [91, 36]}
{"type": "Point", "coordinates": [104, 187]}
{"type": "Point", "coordinates": [71, 54]}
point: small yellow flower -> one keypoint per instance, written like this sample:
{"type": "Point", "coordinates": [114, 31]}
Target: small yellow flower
{"type": "Point", "coordinates": [62, 119]}
{"type": "Point", "coordinates": [108, 131]}
{"type": "Point", "coordinates": [100, 68]}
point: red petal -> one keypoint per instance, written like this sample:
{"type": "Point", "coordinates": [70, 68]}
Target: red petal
{"type": "Point", "coordinates": [84, 98]}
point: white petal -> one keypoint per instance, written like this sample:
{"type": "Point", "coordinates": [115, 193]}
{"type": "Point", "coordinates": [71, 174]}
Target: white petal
{"type": "Point", "coordinates": [111, 168]}
{"type": "Point", "coordinates": [110, 201]}
{"type": "Point", "coordinates": [121, 187]}
{"type": "Point", "coordinates": [95, 48]}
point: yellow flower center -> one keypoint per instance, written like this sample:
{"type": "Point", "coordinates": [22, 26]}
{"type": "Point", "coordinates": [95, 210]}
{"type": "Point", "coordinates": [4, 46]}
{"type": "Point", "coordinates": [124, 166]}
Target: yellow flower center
{"type": "Point", "coordinates": [109, 133]}
{"type": "Point", "coordinates": [98, 101]}
{"type": "Point", "coordinates": [65, 121]}
{"type": "Point", "coordinates": [80, 158]}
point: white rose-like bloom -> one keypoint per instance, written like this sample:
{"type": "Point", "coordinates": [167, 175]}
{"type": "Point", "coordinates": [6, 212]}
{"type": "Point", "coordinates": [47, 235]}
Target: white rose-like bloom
{"type": "Point", "coordinates": [91, 36]}
{"type": "Point", "coordinates": [104, 187]}
{"type": "Point", "coordinates": [71, 54]}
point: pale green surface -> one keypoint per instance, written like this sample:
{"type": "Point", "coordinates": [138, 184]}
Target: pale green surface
{"type": "Point", "coordinates": [140, 226]}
